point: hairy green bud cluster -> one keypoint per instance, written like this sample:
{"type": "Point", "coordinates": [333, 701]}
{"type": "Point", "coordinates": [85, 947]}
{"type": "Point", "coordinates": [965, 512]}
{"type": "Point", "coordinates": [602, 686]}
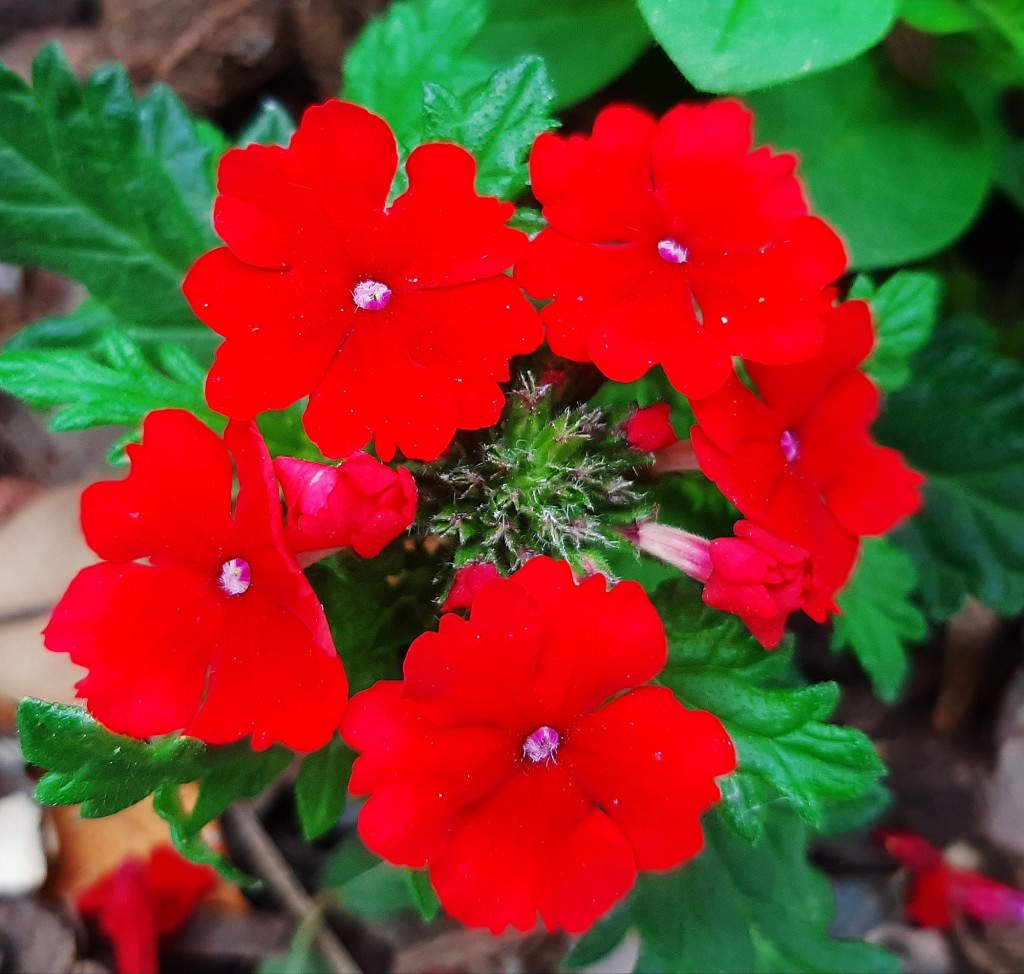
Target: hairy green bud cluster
{"type": "Point", "coordinates": [558, 482]}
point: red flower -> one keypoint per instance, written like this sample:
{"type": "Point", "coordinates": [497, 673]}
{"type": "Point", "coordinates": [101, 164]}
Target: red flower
{"type": "Point", "coordinates": [797, 457]}
{"type": "Point", "coordinates": [938, 890]}
{"type": "Point", "coordinates": [141, 900]}
{"type": "Point", "coordinates": [650, 428]}
{"type": "Point", "coordinates": [398, 322]}
{"type": "Point", "coordinates": [509, 762]}
{"type": "Point", "coordinates": [360, 504]}
{"type": "Point", "coordinates": [469, 580]}
{"type": "Point", "coordinates": [671, 242]}
{"type": "Point", "coordinates": [219, 634]}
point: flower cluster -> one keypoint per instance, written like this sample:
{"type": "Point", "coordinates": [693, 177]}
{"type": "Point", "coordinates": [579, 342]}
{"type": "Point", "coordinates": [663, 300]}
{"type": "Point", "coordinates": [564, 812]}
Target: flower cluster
{"type": "Point", "coordinates": [523, 759]}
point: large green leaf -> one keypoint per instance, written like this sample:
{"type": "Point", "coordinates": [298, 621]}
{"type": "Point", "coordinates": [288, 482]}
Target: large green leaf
{"type": "Point", "coordinates": [878, 155]}
{"type": "Point", "coordinates": [787, 752]}
{"type": "Point", "coordinates": [113, 191]}
{"type": "Point", "coordinates": [585, 43]}
{"type": "Point", "coordinates": [737, 907]}
{"type": "Point", "coordinates": [740, 45]}
{"type": "Point", "coordinates": [878, 619]}
{"type": "Point", "coordinates": [497, 121]}
{"type": "Point", "coordinates": [961, 423]}
{"type": "Point", "coordinates": [905, 309]}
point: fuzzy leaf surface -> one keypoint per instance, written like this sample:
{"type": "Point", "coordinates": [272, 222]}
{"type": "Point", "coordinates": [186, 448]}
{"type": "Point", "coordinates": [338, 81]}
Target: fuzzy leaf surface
{"type": "Point", "coordinates": [905, 309]}
{"type": "Point", "coordinates": [113, 191]}
{"type": "Point", "coordinates": [738, 907]}
{"type": "Point", "coordinates": [878, 619]}
{"type": "Point", "coordinates": [960, 421]}
{"type": "Point", "coordinates": [607, 36]}
{"type": "Point", "coordinates": [788, 754]}
{"type": "Point", "coordinates": [877, 152]}
{"type": "Point", "coordinates": [740, 45]}
{"type": "Point", "coordinates": [496, 121]}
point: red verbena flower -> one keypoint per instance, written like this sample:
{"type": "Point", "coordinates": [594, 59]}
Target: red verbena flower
{"type": "Point", "coordinates": [140, 900]}
{"type": "Point", "coordinates": [672, 242]}
{"type": "Point", "coordinates": [469, 580]}
{"type": "Point", "coordinates": [360, 504]}
{"type": "Point", "coordinates": [650, 428]}
{"type": "Point", "coordinates": [797, 456]}
{"type": "Point", "coordinates": [511, 763]}
{"type": "Point", "coordinates": [218, 634]}
{"type": "Point", "coordinates": [398, 322]}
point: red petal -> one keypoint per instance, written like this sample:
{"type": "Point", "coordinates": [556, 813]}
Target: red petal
{"type": "Point", "coordinates": [650, 764]}
{"type": "Point", "coordinates": [536, 845]}
{"type": "Point", "coordinates": [176, 500]}
{"type": "Point", "coordinates": [146, 635]}
{"type": "Point", "coordinates": [177, 886]}
{"type": "Point", "coordinates": [879, 491]}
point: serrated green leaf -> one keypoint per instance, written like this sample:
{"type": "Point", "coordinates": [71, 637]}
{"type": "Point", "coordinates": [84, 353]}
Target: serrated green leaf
{"type": "Point", "coordinates": [739, 907]}
{"type": "Point", "coordinates": [878, 619]}
{"type": "Point", "coordinates": [88, 765]}
{"type": "Point", "coordinates": [960, 421]}
{"type": "Point", "coordinates": [496, 121]}
{"type": "Point", "coordinates": [877, 152]}
{"type": "Point", "coordinates": [112, 382]}
{"type": "Point", "coordinates": [741, 45]}
{"type": "Point", "coordinates": [112, 191]}
{"type": "Point", "coordinates": [272, 125]}
{"type": "Point", "coordinates": [787, 752]}
{"type": "Point", "coordinates": [422, 893]}
{"type": "Point", "coordinates": [414, 43]}
{"type": "Point", "coordinates": [607, 37]}
{"type": "Point", "coordinates": [321, 787]}
{"type": "Point", "coordinates": [905, 309]}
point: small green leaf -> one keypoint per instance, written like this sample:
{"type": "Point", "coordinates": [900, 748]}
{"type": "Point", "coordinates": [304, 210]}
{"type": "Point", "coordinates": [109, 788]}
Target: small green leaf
{"type": "Point", "coordinates": [367, 885]}
{"type": "Point", "coordinates": [88, 765]}
{"type": "Point", "coordinates": [739, 907]}
{"type": "Point", "coordinates": [423, 895]}
{"type": "Point", "coordinates": [415, 42]}
{"type": "Point", "coordinates": [960, 421]}
{"type": "Point", "coordinates": [938, 16]}
{"type": "Point", "coordinates": [321, 787]}
{"type": "Point", "coordinates": [271, 126]}
{"type": "Point", "coordinates": [786, 751]}
{"type": "Point", "coordinates": [112, 382]}
{"type": "Point", "coordinates": [112, 191]}
{"type": "Point", "coordinates": [607, 36]}
{"type": "Point", "coordinates": [877, 152]}
{"type": "Point", "coordinates": [496, 121]}
{"type": "Point", "coordinates": [740, 45]}
{"type": "Point", "coordinates": [600, 940]}
{"type": "Point", "coordinates": [878, 619]}
{"type": "Point", "coordinates": [905, 309]}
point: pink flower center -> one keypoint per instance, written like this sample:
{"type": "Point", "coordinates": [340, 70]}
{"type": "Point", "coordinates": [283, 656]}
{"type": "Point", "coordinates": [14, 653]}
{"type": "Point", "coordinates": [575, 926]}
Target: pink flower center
{"type": "Point", "coordinates": [790, 447]}
{"type": "Point", "coordinates": [672, 251]}
{"type": "Point", "coordinates": [541, 745]}
{"type": "Point", "coordinates": [371, 295]}
{"type": "Point", "coordinates": [235, 577]}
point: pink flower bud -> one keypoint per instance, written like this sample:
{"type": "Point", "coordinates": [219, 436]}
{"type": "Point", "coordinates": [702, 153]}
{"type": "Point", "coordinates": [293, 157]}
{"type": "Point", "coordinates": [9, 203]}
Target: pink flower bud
{"type": "Point", "coordinates": [361, 504]}
{"type": "Point", "coordinates": [650, 428]}
{"type": "Point", "coordinates": [469, 579]}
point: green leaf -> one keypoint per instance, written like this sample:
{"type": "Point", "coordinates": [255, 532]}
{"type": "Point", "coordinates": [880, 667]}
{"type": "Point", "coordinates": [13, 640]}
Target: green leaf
{"type": "Point", "coordinates": [321, 787]}
{"type": "Point", "coordinates": [878, 619]}
{"type": "Point", "coordinates": [607, 37]}
{"type": "Point", "coordinates": [738, 907]}
{"type": "Point", "coordinates": [937, 16]}
{"type": "Point", "coordinates": [787, 752]}
{"type": "Point", "coordinates": [423, 895]}
{"type": "Point", "coordinates": [905, 309]}
{"type": "Point", "coordinates": [413, 43]}
{"type": "Point", "coordinates": [224, 774]}
{"type": "Point", "coordinates": [496, 121]}
{"type": "Point", "coordinates": [367, 885]}
{"type": "Point", "coordinates": [877, 153]}
{"type": "Point", "coordinates": [961, 423]}
{"type": "Point", "coordinates": [88, 765]}
{"type": "Point", "coordinates": [112, 191]}
{"type": "Point", "coordinates": [272, 125]}
{"type": "Point", "coordinates": [740, 45]}
{"type": "Point", "coordinates": [114, 382]}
